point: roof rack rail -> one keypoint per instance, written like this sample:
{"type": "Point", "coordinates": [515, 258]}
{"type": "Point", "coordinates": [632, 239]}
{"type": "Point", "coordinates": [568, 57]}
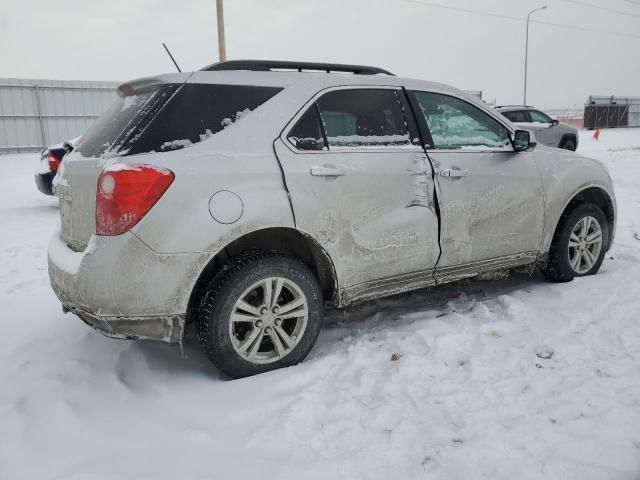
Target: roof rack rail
{"type": "Point", "coordinates": [270, 65]}
{"type": "Point", "coordinates": [513, 106]}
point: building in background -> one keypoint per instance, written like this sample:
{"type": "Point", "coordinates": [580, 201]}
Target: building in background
{"type": "Point", "coordinates": [612, 112]}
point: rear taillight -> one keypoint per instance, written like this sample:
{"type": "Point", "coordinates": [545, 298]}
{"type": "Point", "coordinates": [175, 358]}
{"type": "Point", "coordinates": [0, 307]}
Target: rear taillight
{"type": "Point", "coordinates": [126, 193]}
{"type": "Point", "coordinates": [54, 161]}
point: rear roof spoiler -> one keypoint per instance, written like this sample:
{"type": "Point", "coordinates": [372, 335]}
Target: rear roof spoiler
{"type": "Point", "coordinates": [130, 87]}
{"type": "Point", "coordinates": [270, 65]}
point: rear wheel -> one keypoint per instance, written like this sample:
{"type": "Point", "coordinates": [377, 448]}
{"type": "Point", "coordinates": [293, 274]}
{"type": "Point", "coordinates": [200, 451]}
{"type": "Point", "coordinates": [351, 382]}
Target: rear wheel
{"type": "Point", "coordinates": [579, 244]}
{"type": "Point", "coordinates": [569, 144]}
{"type": "Point", "coordinates": [261, 312]}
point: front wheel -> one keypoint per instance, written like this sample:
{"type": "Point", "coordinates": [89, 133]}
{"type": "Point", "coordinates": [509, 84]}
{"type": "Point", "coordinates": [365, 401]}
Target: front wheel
{"type": "Point", "coordinates": [261, 312]}
{"type": "Point", "coordinates": [579, 244]}
{"type": "Point", "coordinates": [569, 145]}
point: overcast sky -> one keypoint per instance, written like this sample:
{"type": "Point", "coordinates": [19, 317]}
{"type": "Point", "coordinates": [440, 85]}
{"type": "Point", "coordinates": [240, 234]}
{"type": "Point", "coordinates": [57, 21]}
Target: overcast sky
{"type": "Point", "coordinates": [121, 39]}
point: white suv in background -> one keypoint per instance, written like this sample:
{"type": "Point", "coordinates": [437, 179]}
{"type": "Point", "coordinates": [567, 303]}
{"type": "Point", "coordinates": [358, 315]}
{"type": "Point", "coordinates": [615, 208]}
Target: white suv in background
{"type": "Point", "coordinates": [548, 131]}
{"type": "Point", "coordinates": [242, 199]}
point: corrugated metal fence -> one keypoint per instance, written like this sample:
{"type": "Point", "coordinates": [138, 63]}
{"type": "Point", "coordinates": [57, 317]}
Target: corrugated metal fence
{"type": "Point", "coordinates": [36, 113]}
{"type": "Point", "coordinates": [612, 112]}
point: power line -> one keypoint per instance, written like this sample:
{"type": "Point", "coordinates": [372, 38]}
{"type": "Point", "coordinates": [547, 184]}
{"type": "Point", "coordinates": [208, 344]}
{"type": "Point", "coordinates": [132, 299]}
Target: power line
{"type": "Point", "coordinates": [635, 2]}
{"type": "Point", "coordinates": [597, 7]}
{"type": "Point", "coordinates": [519, 19]}
{"type": "Point", "coordinates": [459, 9]}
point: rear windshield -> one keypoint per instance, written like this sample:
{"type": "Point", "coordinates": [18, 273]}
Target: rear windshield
{"type": "Point", "coordinates": [170, 117]}
{"type": "Point", "coordinates": [126, 112]}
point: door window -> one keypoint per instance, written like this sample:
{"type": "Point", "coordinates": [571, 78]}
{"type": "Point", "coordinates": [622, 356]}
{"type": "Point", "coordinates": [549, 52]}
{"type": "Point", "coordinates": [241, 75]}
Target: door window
{"type": "Point", "coordinates": [517, 117]}
{"type": "Point", "coordinates": [455, 124]}
{"type": "Point", "coordinates": [355, 119]}
{"type": "Point", "coordinates": [307, 134]}
{"type": "Point", "coordinates": [539, 117]}
{"type": "Point", "coordinates": [364, 118]}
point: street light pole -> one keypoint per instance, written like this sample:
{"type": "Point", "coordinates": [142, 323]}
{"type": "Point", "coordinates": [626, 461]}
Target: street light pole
{"type": "Point", "coordinates": [222, 54]}
{"type": "Point", "coordinates": [526, 51]}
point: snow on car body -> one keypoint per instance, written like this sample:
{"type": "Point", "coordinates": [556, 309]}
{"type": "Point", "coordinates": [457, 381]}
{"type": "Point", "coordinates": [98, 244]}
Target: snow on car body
{"type": "Point", "coordinates": [332, 187]}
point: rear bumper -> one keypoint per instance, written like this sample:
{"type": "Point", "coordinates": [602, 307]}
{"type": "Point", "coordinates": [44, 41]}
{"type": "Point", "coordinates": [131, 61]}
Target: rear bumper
{"type": "Point", "coordinates": [167, 329]}
{"type": "Point", "coordinates": [123, 289]}
{"type": "Point", "coordinates": [44, 182]}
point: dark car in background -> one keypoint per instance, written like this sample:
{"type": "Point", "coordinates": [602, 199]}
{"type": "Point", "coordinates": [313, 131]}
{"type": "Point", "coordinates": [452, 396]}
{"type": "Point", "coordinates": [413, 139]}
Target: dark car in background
{"type": "Point", "coordinates": [50, 160]}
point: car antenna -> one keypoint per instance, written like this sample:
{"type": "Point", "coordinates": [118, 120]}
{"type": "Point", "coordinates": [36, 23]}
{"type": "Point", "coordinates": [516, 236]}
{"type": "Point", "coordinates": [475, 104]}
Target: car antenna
{"type": "Point", "coordinates": [171, 56]}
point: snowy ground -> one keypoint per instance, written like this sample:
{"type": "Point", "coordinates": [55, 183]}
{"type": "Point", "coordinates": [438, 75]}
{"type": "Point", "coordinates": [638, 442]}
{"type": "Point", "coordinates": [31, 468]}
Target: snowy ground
{"type": "Point", "coordinates": [516, 379]}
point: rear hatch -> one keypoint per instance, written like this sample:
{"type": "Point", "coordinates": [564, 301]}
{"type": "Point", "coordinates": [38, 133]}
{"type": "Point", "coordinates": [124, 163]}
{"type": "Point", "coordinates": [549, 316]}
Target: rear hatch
{"type": "Point", "coordinates": [149, 116]}
{"type": "Point", "coordinates": [106, 139]}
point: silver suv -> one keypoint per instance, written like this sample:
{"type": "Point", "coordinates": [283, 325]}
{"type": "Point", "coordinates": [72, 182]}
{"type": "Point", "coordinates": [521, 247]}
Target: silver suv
{"type": "Point", "coordinates": [548, 131]}
{"type": "Point", "coordinates": [242, 199]}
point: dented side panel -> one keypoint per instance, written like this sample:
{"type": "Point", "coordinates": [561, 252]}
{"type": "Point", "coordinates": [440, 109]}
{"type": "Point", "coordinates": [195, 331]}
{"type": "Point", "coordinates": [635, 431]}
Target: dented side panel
{"type": "Point", "coordinates": [376, 221]}
{"type": "Point", "coordinates": [494, 211]}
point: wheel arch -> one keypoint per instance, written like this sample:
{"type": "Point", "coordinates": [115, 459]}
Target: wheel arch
{"type": "Point", "coordinates": [597, 196]}
{"type": "Point", "coordinates": [281, 239]}
{"type": "Point", "coordinates": [568, 136]}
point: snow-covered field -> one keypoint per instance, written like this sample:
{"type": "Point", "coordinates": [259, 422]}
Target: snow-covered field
{"type": "Point", "coordinates": [515, 379]}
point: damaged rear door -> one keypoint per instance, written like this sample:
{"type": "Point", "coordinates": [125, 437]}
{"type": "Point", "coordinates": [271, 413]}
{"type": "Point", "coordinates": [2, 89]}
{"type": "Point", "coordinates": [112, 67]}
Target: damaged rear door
{"type": "Point", "coordinates": [490, 197]}
{"type": "Point", "coordinates": [361, 184]}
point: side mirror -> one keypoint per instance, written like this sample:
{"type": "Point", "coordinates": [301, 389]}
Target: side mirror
{"type": "Point", "coordinates": [522, 141]}
{"type": "Point", "coordinates": [555, 123]}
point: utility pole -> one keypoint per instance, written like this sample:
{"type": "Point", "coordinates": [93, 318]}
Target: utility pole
{"type": "Point", "coordinates": [222, 54]}
{"type": "Point", "coordinates": [526, 52]}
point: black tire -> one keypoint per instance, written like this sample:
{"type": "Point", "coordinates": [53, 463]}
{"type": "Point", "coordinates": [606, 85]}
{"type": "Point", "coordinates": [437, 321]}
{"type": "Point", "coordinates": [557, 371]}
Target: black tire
{"type": "Point", "coordinates": [569, 144]}
{"type": "Point", "coordinates": [558, 268]}
{"type": "Point", "coordinates": [228, 286]}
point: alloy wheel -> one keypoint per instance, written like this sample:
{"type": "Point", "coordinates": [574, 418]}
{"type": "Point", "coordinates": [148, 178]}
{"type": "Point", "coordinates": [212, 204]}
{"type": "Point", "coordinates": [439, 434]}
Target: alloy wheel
{"type": "Point", "coordinates": [268, 320]}
{"type": "Point", "coordinates": [585, 244]}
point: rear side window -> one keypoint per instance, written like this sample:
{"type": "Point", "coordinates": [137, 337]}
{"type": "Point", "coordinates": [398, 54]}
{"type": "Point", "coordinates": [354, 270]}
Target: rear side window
{"type": "Point", "coordinates": [355, 118]}
{"type": "Point", "coordinates": [198, 111]}
{"type": "Point", "coordinates": [168, 117]}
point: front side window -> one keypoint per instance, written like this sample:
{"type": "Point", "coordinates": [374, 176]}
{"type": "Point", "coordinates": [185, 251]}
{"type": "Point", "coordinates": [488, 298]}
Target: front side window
{"type": "Point", "coordinates": [455, 124]}
{"type": "Point", "coordinates": [539, 117]}
{"type": "Point", "coordinates": [364, 118]}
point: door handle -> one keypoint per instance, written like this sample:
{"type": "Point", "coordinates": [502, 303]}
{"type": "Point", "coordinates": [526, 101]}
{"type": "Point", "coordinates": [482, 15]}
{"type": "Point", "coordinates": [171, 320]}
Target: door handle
{"type": "Point", "coordinates": [453, 172]}
{"type": "Point", "coordinates": [328, 171]}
